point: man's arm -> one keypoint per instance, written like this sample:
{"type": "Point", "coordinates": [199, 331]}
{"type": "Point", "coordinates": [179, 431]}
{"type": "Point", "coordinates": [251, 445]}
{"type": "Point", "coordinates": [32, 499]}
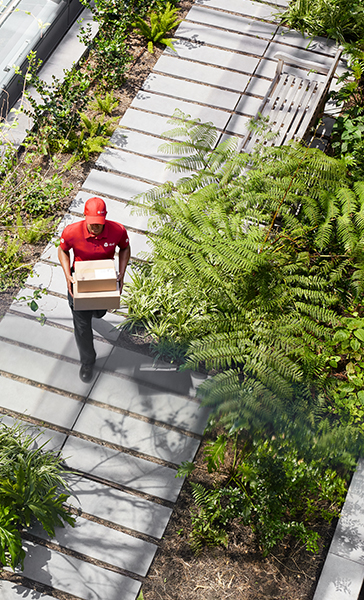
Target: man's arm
{"type": "Point", "coordinates": [124, 255]}
{"type": "Point", "coordinates": [64, 259]}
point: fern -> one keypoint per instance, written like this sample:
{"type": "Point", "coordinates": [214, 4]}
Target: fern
{"type": "Point", "coordinates": [161, 21]}
{"type": "Point", "coordinates": [269, 254]}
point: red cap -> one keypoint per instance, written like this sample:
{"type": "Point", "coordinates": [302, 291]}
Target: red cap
{"type": "Point", "coordinates": [95, 211]}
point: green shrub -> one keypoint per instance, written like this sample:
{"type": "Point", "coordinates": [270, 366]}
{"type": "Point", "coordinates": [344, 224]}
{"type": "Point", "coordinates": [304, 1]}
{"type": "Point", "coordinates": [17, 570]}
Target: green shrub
{"type": "Point", "coordinates": [270, 487]}
{"type": "Point", "coordinates": [162, 20]}
{"type": "Point", "coordinates": [32, 488]}
{"type": "Point", "coordinates": [338, 19]}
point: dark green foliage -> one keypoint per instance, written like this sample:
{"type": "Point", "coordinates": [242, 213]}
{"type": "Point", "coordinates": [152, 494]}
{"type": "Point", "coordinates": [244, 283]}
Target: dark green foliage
{"type": "Point", "coordinates": [32, 488]}
{"type": "Point", "coordinates": [161, 20]}
{"type": "Point", "coordinates": [345, 362]}
{"type": "Point", "coordinates": [109, 49]}
{"type": "Point", "coordinates": [337, 19]}
{"type": "Point", "coordinates": [264, 259]}
{"type": "Point", "coordinates": [348, 132]}
{"type": "Point", "coordinates": [268, 486]}
{"type": "Point", "coordinates": [58, 112]}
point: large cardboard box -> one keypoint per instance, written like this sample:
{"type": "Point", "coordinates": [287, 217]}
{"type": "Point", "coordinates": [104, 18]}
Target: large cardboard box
{"type": "Point", "coordinates": [95, 275]}
{"type": "Point", "coordinates": [96, 286]}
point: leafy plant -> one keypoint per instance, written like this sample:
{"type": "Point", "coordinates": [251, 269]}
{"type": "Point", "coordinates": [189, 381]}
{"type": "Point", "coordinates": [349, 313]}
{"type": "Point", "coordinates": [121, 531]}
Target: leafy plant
{"type": "Point", "coordinates": [106, 104]}
{"type": "Point", "coordinates": [271, 254]}
{"type": "Point", "coordinates": [162, 20]}
{"type": "Point", "coordinates": [348, 140]}
{"type": "Point", "coordinates": [92, 138]}
{"type": "Point", "coordinates": [12, 268]}
{"type": "Point", "coordinates": [330, 18]}
{"type": "Point", "coordinates": [58, 112]}
{"type": "Point", "coordinates": [270, 487]}
{"type": "Point", "coordinates": [35, 230]}
{"type": "Point", "coordinates": [32, 487]}
{"type": "Point", "coordinates": [345, 363]}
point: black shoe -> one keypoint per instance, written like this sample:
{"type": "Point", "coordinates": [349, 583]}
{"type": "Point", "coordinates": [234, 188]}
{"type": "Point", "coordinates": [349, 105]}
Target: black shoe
{"type": "Point", "coordinates": [86, 373]}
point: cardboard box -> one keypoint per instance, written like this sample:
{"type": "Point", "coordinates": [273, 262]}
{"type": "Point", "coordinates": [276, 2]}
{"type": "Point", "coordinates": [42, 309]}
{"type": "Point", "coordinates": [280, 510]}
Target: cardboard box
{"type": "Point", "coordinates": [95, 300]}
{"type": "Point", "coordinates": [96, 286]}
{"type": "Point", "coordinates": [95, 275]}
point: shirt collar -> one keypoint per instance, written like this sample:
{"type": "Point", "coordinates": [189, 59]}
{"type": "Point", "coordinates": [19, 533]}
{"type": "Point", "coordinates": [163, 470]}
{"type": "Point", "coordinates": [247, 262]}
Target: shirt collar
{"type": "Point", "coordinates": [89, 235]}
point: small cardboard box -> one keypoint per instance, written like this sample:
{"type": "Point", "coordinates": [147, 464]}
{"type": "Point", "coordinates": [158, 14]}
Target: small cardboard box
{"type": "Point", "coordinates": [95, 300]}
{"type": "Point", "coordinates": [95, 275]}
{"type": "Point", "coordinates": [96, 286]}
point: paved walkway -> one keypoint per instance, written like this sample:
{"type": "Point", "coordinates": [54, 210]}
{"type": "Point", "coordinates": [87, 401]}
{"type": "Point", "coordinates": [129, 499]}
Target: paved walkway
{"type": "Point", "coordinates": [127, 431]}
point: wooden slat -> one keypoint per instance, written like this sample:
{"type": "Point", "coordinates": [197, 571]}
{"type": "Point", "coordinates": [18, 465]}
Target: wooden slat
{"type": "Point", "coordinates": [300, 106]}
{"type": "Point", "coordinates": [266, 107]}
{"type": "Point", "coordinates": [284, 116]}
{"type": "Point", "coordinates": [317, 99]}
{"type": "Point", "coordinates": [291, 103]}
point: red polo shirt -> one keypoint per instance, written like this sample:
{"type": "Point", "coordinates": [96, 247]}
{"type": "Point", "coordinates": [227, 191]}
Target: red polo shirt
{"type": "Point", "coordinates": [87, 246]}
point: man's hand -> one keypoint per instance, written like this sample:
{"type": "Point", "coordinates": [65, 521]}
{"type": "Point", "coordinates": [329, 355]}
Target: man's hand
{"type": "Point", "coordinates": [64, 259]}
{"type": "Point", "coordinates": [70, 281]}
{"type": "Point", "coordinates": [124, 255]}
{"type": "Point", "coordinates": [120, 280]}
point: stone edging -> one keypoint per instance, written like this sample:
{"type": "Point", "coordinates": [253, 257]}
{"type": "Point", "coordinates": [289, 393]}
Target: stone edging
{"type": "Point", "coordinates": [343, 572]}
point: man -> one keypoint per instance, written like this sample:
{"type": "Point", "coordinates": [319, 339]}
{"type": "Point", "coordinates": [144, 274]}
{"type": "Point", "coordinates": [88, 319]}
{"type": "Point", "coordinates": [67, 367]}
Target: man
{"type": "Point", "coordinates": [94, 238]}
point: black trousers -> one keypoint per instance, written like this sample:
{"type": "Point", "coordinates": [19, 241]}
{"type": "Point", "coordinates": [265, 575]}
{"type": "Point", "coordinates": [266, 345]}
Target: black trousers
{"type": "Point", "coordinates": [82, 322]}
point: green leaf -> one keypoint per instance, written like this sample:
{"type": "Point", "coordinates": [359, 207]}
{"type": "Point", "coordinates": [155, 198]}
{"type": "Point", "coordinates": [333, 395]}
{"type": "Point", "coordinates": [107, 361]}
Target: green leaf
{"type": "Point", "coordinates": [340, 336]}
{"type": "Point", "coordinates": [359, 333]}
{"type": "Point", "coordinates": [33, 306]}
{"type": "Point", "coordinates": [360, 395]}
{"type": "Point", "coordinates": [355, 344]}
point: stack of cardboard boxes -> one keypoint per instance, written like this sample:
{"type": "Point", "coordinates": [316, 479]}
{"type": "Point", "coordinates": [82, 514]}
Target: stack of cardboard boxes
{"type": "Point", "coordinates": [96, 286]}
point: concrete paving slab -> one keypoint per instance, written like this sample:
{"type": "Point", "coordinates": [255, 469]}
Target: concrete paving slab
{"type": "Point", "coordinates": [123, 469]}
{"type": "Point", "coordinates": [341, 579]}
{"type": "Point", "coordinates": [141, 121]}
{"type": "Point", "coordinates": [348, 540]}
{"type": "Point", "coordinates": [131, 433]}
{"type": "Point", "coordinates": [222, 39]}
{"type": "Point", "coordinates": [207, 55]}
{"type": "Point", "coordinates": [187, 90]}
{"type": "Point", "coordinates": [231, 22]}
{"type": "Point", "coordinates": [145, 168]}
{"type": "Point", "coordinates": [149, 402]}
{"type": "Point", "coordinates": [9, 590]}
{"type": "Point", "coordinates": [202, 73]}
{"type": "Point", "coordinates": [117, 210]}
{"type": "Point", "coordinates": [76, 577]}
{"type": "Point", "coordinates": [43, 369]}
{"type": "Point", "coordinates": [238, 125]}
{"type": "Point", "coordinates": [249, 105]}
{"type": "Point", "coordinates": [43, 436]}
{"type": "Point", "coordinates": [103, 543]}
{"type": "Point", "coordinates": [140, 143]}
{"type": "Point", "coordinates": [145, 370]}
{"type": "Point", "coordinates": [115, 506]}
{"type": "Point", "coordinates": [242, 7]}
{"type": "Point", "coordinates": [48, 276]}
{"type": "Point", "coordinates": [267, 68]}
{"type": "Point", "coordinates": [140, 244]}
{"type": "Point", "coordinates": [36, 402]}
{"type": "Point", "coordinates": [301, 53]}
{"type": "Point", "coordinates": [294, 38]}
{"type": "Point", "coordinates": [47, 338]}
{"type": "Point", "coordinates": [258, 86]}
{"type": "Point", "coordinates": [116, 186]}
{"type": "Point", "coordinates": [56, 310]}
{"type": "Point", "coordinates": [163, 105]}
